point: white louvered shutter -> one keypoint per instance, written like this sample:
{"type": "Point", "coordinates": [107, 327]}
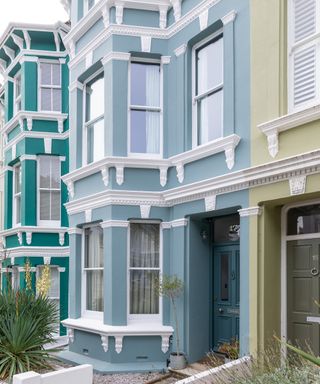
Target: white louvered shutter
{"type": "Point", "coordinates": [303, 53]}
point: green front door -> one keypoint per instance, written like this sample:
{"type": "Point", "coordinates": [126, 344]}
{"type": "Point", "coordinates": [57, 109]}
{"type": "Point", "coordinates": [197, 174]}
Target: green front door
{"type": "Point", "coordinates": [226, 294]}
{"type": "Point", "coordinates": [302, 292]}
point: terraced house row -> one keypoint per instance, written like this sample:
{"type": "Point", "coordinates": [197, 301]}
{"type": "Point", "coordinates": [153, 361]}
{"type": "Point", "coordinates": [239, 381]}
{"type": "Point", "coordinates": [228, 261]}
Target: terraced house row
{"type": "Point", "coordinates": [185, 133]}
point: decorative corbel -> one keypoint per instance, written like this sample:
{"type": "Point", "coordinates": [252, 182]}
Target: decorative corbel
{"type": "Point", "coordinates": [105, 175]}
{"type": "Point", "coordinates": [203, 19]}
{"type": "Point", "coordinates": [27, 38]}
{"type": "Point", "coordinates": [72, 49]}
{"type": "Point", "coordinates": [61, 238]}
{"type": "Point", "coordinates": [146, 43]}
{"type": "Point", "coordinates": [229, 152]}
{"type": "Point", "coordinates": [9, 52]}
{"type": "Point", "coordinates": [176, 9]}
{"type": "Point", "coordinates": [210, 202]}
{"type": "Point", "coordinates": [163, 176]}
{"type": "Point", "coordinates": [47, 260]}
{"type": "Point", "coordinates": [13, 151]}
{"type": "Point", "coordinates": [29, 123]}
{"type": "Point", "coordinates": [56, 40]}
{"type": "Point", "coordinates": [145, 211]}
{"type": "Point", "coordinates": [119, 12]}
{"type": "Point", "coordinates": [119, 175]}
{"type": "Point", "coordinates": [70, 335]}
{"type": "Point", "coordinates": [19, 234]}
{"type": "Point", "coordinates": [3, 241]}
{"type": "Point", "coordinates": [106, 16]}
{"type": "Point", "coordinates": [180, 172]}
{"type": "Point", "coordinates": [118, 343]}
{"type": "Point", "coordinates": [29, 237]}
{"type": "Point", "coordinates": [273, 142]}
{"type": "Point", "coordinates": [297, 185]}
{"type": "Point", "coordinates": [88, 215]}
{"type": "Point", "coordinates": [17, 40]}
{"type": "Point", "coordinates": [60, 125]}
{"type": "Point", "coordinates": [105, 342]}
{"type": "Point", "coordinates": [165, 343]}
{"type": "Point", "coordinates": [70, 187]}
{"type": "Point", "coordinates": [163, 10]}
{"type": "Point", "coordinates": [21, 124]}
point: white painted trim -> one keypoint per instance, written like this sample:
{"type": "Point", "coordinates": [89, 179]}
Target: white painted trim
{"type": "Point", "coordinates": [273, 127]}
{"type": "Point", "coordinates": [25, 157]}
{"type": "Point", "coordinates": [115, 224]}
{"type": "Point", "coordinates": [75, 85]}
{"type": "Point", "coordinates": [180, 50]}
{"type": "Point", "coordinates": [121, 56]}
{"type": "Point", "coordinates": [74, 231]}
{"type": "Point", "coordinates": [251, 211]}
{"type": "Point", "coordinates": [33, 229]}
{"type": "Point", "coordinates": [33, 115]}
{"type": "Point", "coordinates": [36, 135]}
{"type": "Point", "coordinates": [179, 223]}
{"type": "Point", "coordinates": [28, 251]}
{"type": "Point", "coordinates": [269, 173]}
{"type": "Point", "coordinates": [166, 33]}
{"type": "Point", "coordinates": [229, 17]}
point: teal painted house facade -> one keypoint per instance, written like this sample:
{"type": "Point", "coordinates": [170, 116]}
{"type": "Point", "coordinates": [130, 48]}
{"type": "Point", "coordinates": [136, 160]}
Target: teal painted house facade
{"type": "Point", "coordinates": [159, 136]}
{"type": "Point", "coordinates": [35, 133]}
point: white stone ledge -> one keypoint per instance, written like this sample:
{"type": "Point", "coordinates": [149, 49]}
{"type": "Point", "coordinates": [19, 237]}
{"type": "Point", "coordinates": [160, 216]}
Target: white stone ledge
{"type": "Point", "coordinates": [118, 332]}
{"type": "Point", "coordinates": [273, 127]}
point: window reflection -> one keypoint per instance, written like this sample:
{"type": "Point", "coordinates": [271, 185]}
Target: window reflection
{"type": "Point", "coordinates": [302, 220]}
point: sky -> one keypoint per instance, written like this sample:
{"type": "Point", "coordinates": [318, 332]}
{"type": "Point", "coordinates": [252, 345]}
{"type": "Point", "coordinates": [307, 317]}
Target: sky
{"type": "Point", "coordinates": [31, 11]}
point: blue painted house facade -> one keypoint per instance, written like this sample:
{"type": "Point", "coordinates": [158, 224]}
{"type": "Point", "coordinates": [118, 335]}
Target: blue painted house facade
{"type": "Point", "coordinates": [33, 62]}
{"type": "Point", "coordinates": [159, 132]}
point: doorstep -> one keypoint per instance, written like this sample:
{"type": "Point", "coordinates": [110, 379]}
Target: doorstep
{"type": "Point", "coordinates": [105, 367]}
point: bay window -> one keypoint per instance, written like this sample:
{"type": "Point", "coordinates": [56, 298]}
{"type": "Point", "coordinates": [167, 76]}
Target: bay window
{"type": "Point", "coordinates": [49, 193]}
{"type": "Point", "coordinates": [50, 86]}
{"type": "Point", "coordinates": [145, 109]}
{"type": "Point", "coordinates": [144, 270]}
{"type": "Point", "coordinates": [303, 53]}
{"type": "Point", "coordinates": [93, 264]}
{"type": "Point", "coordinates": [208, 90]}
{"type": "Point", "coordinates": [17, 195]}
{"type": "Point", "coordinates": [94, 119]}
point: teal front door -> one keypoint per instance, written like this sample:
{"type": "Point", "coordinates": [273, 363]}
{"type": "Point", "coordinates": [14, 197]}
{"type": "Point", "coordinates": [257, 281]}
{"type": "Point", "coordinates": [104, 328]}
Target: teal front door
{"type": "Point", "coordinates": [226, 294]}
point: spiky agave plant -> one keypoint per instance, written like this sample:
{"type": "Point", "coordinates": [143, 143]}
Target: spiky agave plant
{"type": "Point", "coordinates": [27, 322]}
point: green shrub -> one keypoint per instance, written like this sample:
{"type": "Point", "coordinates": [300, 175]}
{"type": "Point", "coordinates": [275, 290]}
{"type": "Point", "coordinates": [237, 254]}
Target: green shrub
{"type": "Point", "coordinates": [27, 322]}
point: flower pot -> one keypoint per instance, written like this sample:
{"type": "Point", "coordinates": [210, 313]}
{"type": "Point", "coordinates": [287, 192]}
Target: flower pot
{"type": "Point", "coordinates": [177, 361]}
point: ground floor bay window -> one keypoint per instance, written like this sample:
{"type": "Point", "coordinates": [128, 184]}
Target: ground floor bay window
{"type": "Point", "coordinates": [144, 271]}
{"type": "Point", "coordinates": [93, 263]}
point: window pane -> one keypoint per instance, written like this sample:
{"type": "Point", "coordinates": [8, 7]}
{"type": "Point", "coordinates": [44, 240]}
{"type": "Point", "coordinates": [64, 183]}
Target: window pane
{"type": "Point", "coordinates": [210, 66]}
{"type": "Point", "coordinates": [210, 115]}
{"type": "Point", "coordinates": [95, 99]}
{"type": "Point", "coordinates": [56, 74]}
{"type": "Point", "coordinates": [145, 132]}
{"type": "Point", "coordinates": [93, 248]}
{"type": "Point", "coordinates": [94, 290]}
{"type": "Point", "coordinates": [145, 84]}
{"type": "Point", "coordinates": [54, 289]}
{"type": "Point", "coordinates": [56, 99]}
{"type": "Point", "coordinates": [96, 141]}
{"type": "Point", "coordinates": [45, 69]}
{"type": "Point", "coordinates": [44, 205]}
{"type": "Point", "coordinates": [46, 99]}
{"type": "Point", "coordinates": [144, 245]}
{"type": "Point", "coordinates": [143, 297]}
{"type": "Point", "coordinates": [18, 86]}
{"type": "Point", "coordinates": [55, 172]}
{"type": "Point", "coordinates": [55, 205]}
{"type": "Point", "coordinates": [17, 181]}
{"type": "Point", "coordinates": [44, 165]}
{"type": "Point", "coordinates": [18, 209]}
{"type": "Point", "coordinates": [226, 229]}
{"type": "Point", "coordinates": [224, 261]}
{"type": "Point", "coordinates": [305, 219]}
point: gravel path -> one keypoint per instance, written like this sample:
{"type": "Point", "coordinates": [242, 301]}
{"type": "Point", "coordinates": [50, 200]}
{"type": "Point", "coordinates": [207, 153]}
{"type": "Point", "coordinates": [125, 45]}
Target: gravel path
{"type": "Point", "coordinates": [127, 378]}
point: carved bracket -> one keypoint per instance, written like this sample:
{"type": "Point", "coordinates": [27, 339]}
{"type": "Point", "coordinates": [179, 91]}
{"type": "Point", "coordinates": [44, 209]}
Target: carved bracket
{"type": "Point", "coordinates": [273, 143]}
{"type": "Point", "coordinates": [163, 176]}
{"type": "Point", "coordinates": [118, 344]}
{"type": "Point", "coordinates": [163, 10]}
{"type": "Point", "coordinates": [47, 260]}
{"type": "Point", "coordinates": [229, 152]}
{"type": "Point", "coordinates": [165, 343]}
{"type": "Point", "coordinates": [146, 43]}
{"type": "Point", "coordinates": [29, 237]}
{"type": "Point", "coordinates": [105, 16]}
{"type": "Point", "coordinates": [210, 202]}
{"type": "Point", "coordinates": [203, 19]}
{"type": "Point", "coordinates": [297, 185]}
{"type": "Point", "coordinates": [180, 172]}
{"type": "Point", "coordinates": [119, 13]}
{"type": "Point", "coordinates": [61, 238]}
{"type": "Point", "coordinates": [119, 175]}
{"type": "Point", "coordinates": [70, 187]}
{"type": "Point", "coordinates": [105, 175]}
{"type": "Point", "coordinates": [105, 342]}
{"type": "Point", "coordinates": [29, 123]}
{"type": "Point", "coordinates": [19, 234]}
{"type": "Point", "coordinates": [145, 211]}
{"type": "Point", "coordinates": [71, 335]}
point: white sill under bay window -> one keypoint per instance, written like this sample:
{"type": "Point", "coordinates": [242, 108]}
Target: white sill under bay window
{"type": "Point", "coordinates": [145, 111]}
{"type": "Point", "coordinates": [207, 60]}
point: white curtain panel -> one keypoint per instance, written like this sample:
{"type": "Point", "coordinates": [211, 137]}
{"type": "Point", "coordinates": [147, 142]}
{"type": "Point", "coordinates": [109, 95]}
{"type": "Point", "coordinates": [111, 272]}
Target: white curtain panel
{"type": "Point", "coordinates": [153, 100]}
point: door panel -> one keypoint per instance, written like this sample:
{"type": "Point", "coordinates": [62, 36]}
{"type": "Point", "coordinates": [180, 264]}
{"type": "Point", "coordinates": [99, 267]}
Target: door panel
{"type": "Point", "coordinates": [302, 291]}
{"type": "Point", "coordinates": [226, 286]}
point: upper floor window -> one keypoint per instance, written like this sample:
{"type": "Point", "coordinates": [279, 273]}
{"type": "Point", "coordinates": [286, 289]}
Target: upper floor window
{"type": "Point", "coordinates": [208, 91]}
{"type": "Point", "coordinates": [88, 4]}
{"type": "Point", "coordinates": [17, 195]}
{"type": "Point", "coordinates": [145, 135]}
{"type": "Point", "coordinates": [49, 194]}
{"type": "Point", "coordinates": [50, 86]}
{"type": "Point", "coordinates": [93, 264]}
{"type": "Point", "coordinates": [144, 270]}
{"type": "Point", "coordinates": [94, 119]}
{"type": "Point", "coordinates": [304, 53]}
{"type": "Point", "coordinates": [17, 93]}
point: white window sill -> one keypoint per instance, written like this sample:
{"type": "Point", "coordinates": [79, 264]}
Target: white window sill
{"type": "Point", "coordinates": [118, 332]}
{"type": "Point", "coordinates": [272, 128]}
{"type": "Point", "coordinates": [223, 144]}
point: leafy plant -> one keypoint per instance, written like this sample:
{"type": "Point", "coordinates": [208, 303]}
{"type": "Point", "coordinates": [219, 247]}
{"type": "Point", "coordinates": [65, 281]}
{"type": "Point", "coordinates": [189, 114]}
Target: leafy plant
{"type": "Point", "coordinates": [27, 322]}
{"type": "Point", "coordinates": [231, 350]}
{"type": "Point", "coordinates": [172, 287]}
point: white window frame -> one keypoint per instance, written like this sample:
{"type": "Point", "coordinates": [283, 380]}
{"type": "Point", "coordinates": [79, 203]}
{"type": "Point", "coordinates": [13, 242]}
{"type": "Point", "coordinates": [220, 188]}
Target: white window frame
{"type": "Point", "coordinates": [295, 48]}
{"type": "Point", "coordinates": [86, 6]}
{"type": "Point", "coordinates": [15, 195]}
{"type": "Point", "coordinates": [92, 121]}
{"type": "Point", "coordinates": [97, 315]}
{"type": "Point", "coordinates": [17, 98]}
{"type": "Point", "coordinates": [40, 86]}
{"type": "Point", "coordinates": [47, 223]}
{"type": "Point", "coordinates": [15, 278]}
{"type": "Point", "coordinates": [143, 318]}
{"type": "Point", "coordinates": [159, 155]}
{"type": "Point", "coordinates": [196, 97]}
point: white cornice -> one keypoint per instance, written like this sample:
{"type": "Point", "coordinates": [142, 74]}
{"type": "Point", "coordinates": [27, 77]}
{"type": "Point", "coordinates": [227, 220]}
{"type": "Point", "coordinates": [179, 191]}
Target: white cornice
{"type": "Point", "coordinates": [76, 85]}
{"type": "Point", "coordinates": [26, 251]}
{"type": "Point", "coordinates": [251, 211]}
{"type": "Point", "coordinates": [33, 115]}
{"type": "Point", "coordinates": [180, 50]}
{"type": "Point", "coordinates": [229, 17]}
{"type": "Point", "coordinates": [272, 128]}
{"type": "Point", "coordinates": [179, 223]}
{"type": "Point", "coordinates": [158, 33]}
{"type": "Point", "coordinates": [33, 229]}
{"type": "Point", "coordinates": [273, 172]}
{"type": "Point", "coordinates": [123, 56]}
{"type": "Point", "coordinates": [114, 223]}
